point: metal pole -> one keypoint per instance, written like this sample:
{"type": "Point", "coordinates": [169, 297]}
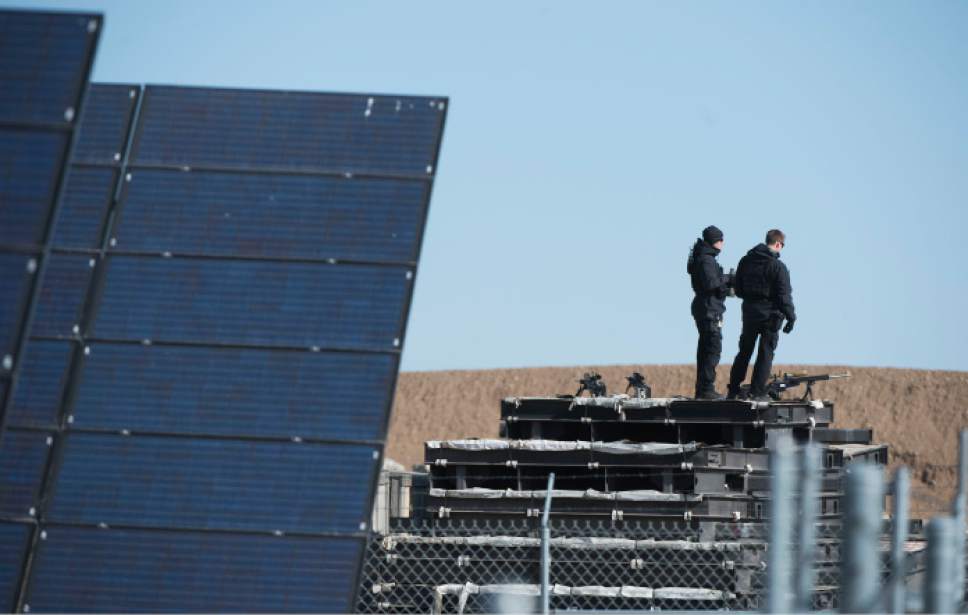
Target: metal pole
{"type": "Point", "coordinates": [959, 514]}
{"type": "Point", "coordinates": [778, 574]}
{"type": "Point", "coordinates": [809, 511]}
{"type": "Point", "coordinates": [546, 549]}
{"type": "Point", "coordinates": [902, 488]}
{"type": "Point", "coordinates": [940, 591]}
{"type": "Point", "coordinates": [862, 532]}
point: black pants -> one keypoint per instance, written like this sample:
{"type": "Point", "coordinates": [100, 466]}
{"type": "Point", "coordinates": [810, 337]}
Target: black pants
{"type": "Point", "coordinates": [768, 334]}
{"type": "Point", "coordinates": [708, 350]}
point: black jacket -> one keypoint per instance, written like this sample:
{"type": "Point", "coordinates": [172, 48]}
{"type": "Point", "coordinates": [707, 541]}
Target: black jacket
{"type": "Point", "coordinates": [763, 283]}
{"type": "Point", "coordinates": [708, 282]}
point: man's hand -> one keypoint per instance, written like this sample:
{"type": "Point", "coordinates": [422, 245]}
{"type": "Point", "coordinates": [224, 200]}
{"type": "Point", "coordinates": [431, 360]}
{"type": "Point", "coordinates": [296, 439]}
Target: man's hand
{"type": "Point", "coordinates": [788, 326]}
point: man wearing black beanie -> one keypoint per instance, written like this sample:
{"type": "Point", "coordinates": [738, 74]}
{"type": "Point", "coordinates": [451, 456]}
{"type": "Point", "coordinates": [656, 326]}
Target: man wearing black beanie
{"type": "Point", "coordinates": [711, 287]}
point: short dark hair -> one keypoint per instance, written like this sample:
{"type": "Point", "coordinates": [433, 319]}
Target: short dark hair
{"type": "Point", "coordinates": [775, 235]}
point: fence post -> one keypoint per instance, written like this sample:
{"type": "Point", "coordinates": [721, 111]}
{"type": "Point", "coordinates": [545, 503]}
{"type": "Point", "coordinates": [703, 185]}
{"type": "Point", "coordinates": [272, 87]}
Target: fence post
{"type": "Point", "coordinates": [546, 549]}
{"type": "Point", "coordinates": [862, 529]}
{"type": "Point", "coordinates": [959, 515]}
{"type": "Point", "coordinates": [809, 479]}
{"type": "Point", "coordinates": [940, 590]}
{"type": "Point", "coordinates": [902, 488]}
{"type": "Point", "coordinates": [778, 574]}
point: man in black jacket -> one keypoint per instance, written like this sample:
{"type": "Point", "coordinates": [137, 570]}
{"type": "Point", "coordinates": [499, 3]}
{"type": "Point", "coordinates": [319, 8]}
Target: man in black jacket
{"type": "Point", "coordinates": [763, 283]}
{"type": "Point", "coordinates": [708, 307]}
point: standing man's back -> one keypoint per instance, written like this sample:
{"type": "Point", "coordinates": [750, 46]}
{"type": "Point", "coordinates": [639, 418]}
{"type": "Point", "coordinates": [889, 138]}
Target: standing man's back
{"type": "Point", "coordinates": [763, 282]}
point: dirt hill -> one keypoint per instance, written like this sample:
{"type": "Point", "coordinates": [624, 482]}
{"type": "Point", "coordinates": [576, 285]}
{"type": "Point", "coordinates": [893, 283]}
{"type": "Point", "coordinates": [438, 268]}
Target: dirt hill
{"type": "Point", "coordinates": [917, 412]}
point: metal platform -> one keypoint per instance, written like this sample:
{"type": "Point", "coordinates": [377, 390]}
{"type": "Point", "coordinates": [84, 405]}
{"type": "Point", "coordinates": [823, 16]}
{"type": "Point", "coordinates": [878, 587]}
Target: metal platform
{"type": "Point", "coordinates": [491, 503]}
{"type": "Point", "coordinates": [665, 410]}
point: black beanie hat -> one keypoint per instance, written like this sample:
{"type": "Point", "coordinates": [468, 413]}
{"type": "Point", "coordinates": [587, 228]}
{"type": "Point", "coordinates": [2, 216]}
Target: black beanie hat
{"type": "Point", "coordinates": [711, 234]}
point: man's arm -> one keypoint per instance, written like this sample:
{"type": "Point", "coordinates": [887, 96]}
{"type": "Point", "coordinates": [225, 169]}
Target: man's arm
{"type": "Point", "coordinates": [784, 292]}
{"type": "Point", "coordinates": [713, 281]}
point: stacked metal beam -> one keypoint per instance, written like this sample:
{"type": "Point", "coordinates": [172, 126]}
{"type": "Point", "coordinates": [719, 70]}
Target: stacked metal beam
{"type": "Point", "coordinates": [620, 457]}
{"type": "Point", "coordinates": [658, 503]}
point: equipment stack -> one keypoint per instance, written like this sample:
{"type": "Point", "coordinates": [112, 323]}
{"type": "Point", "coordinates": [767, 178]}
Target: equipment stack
{"type": "Point", "coordinates": [657, 503]}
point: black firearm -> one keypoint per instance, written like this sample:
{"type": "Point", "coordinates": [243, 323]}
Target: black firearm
{"type": "Point", "coordinates": [593, 383]}
{"type": "Point", "coordinates": [638, 385]}
{"type": "Point", "coordinates": [779, 384]}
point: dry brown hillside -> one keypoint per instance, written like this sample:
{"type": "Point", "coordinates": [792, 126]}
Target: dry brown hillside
{"type": "Point", "coordinates": [917, 412]}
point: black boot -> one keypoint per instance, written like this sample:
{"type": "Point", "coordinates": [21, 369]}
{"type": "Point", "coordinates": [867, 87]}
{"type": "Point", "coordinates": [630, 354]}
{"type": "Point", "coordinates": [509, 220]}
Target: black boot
{"type": "Point", "coordinates": [713, 394]}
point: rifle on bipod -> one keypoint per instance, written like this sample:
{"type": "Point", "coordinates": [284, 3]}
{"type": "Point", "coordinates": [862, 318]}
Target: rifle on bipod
{"type": "Point", "coordinates": [779, 384]}
{"type": "Point", "coordinates": [593, 383]}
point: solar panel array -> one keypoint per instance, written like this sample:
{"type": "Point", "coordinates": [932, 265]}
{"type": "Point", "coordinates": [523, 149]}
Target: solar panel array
{"type": "Point", "coordinates": [45, 63]}
{"type": "Point", "coordinates": [203, 405]}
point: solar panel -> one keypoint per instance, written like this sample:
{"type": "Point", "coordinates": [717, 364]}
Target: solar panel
{"type": "Point", "coordinates": [87, 197]}
{"type": "Point", "coordinates": [31, 164]}
{"type": "Point", "coordinates": [16, 276]}
{"type": "Point", "coordinates": [272, 216]}
{"type": "Point", "coordinates": [215, 350]}
{"type": "Point", "coordinates": [47, 57]}
{"type": "Point", "coordinates": [250, 302]}
{"type": "Point", "coordinates": [224, 391]}
{"type": "Point", "coordinates": [62, 294]}
{"type": "Point", "coordinates": [14, 538]}
{"type": "Point", "coordinates": [45, 60]}
{"type": "Point", "coordinates": [199, 483]}
{"type": "Point", "coordinates": [107, 121]}
{"type": "Point", "coordinates": [131, 571]}
{"type": "Point", "coordinates": [36, 402]}
{"type": "Point", "coordinates": [23, 455]}
{"type": "Point", "coordinates": [289, 131]}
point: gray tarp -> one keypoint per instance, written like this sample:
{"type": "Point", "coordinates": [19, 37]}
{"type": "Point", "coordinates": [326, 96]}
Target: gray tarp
{"type": "Point", "coordinates": [619, 447]}
{"type": "Point", "coordinates": [850, 450]}
{"type": "Point", "coordinates": [590, 543]}
{"type": "Point", "coordinates": [526, 589]}
{"type": "Point", "coordinates": [641, 495]}
{"type": "Point", "coordinates": [618, 402]}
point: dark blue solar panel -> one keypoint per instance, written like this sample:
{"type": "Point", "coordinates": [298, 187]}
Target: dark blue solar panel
{"type": "Point", "coordinates": [62, 297]}
{"type": "Point", "coordinates": [87, 196]}
{"type": "Point", "coordinates": [267, 215]}
{"type": "Point", "coordinates": [30, 164]}
{"type": "Point", "coordinates": [223, 391]}
{"type": "Point", "coordinates": [80, 570]}
{"type": "Point", "coordinates": [23, 455]}
{"type": "Point", "coordinates": [175, 482]}
{"type": "Point", "coordinates": [289, 130]}
{"type": "Point", "coordinates": [247, 302]}
{"type": "Point", "coordinates": [16, 274]}
{"type": "Point", "coordinates": [13, 548]}
{"type": "Point", "coordinates": [36, 402]}
{"type": "Point", "coordinates": [103, 132]}
{"type": "Point", "coordinates": [44, 59]}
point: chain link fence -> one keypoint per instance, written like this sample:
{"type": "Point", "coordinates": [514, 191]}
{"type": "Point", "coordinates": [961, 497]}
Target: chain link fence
{"type": "Point", "coordinates": [484, 566]}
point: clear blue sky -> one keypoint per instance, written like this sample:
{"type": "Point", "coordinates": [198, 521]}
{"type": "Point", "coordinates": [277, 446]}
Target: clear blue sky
{"type": "Point", "coordinates": [587, 145]}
